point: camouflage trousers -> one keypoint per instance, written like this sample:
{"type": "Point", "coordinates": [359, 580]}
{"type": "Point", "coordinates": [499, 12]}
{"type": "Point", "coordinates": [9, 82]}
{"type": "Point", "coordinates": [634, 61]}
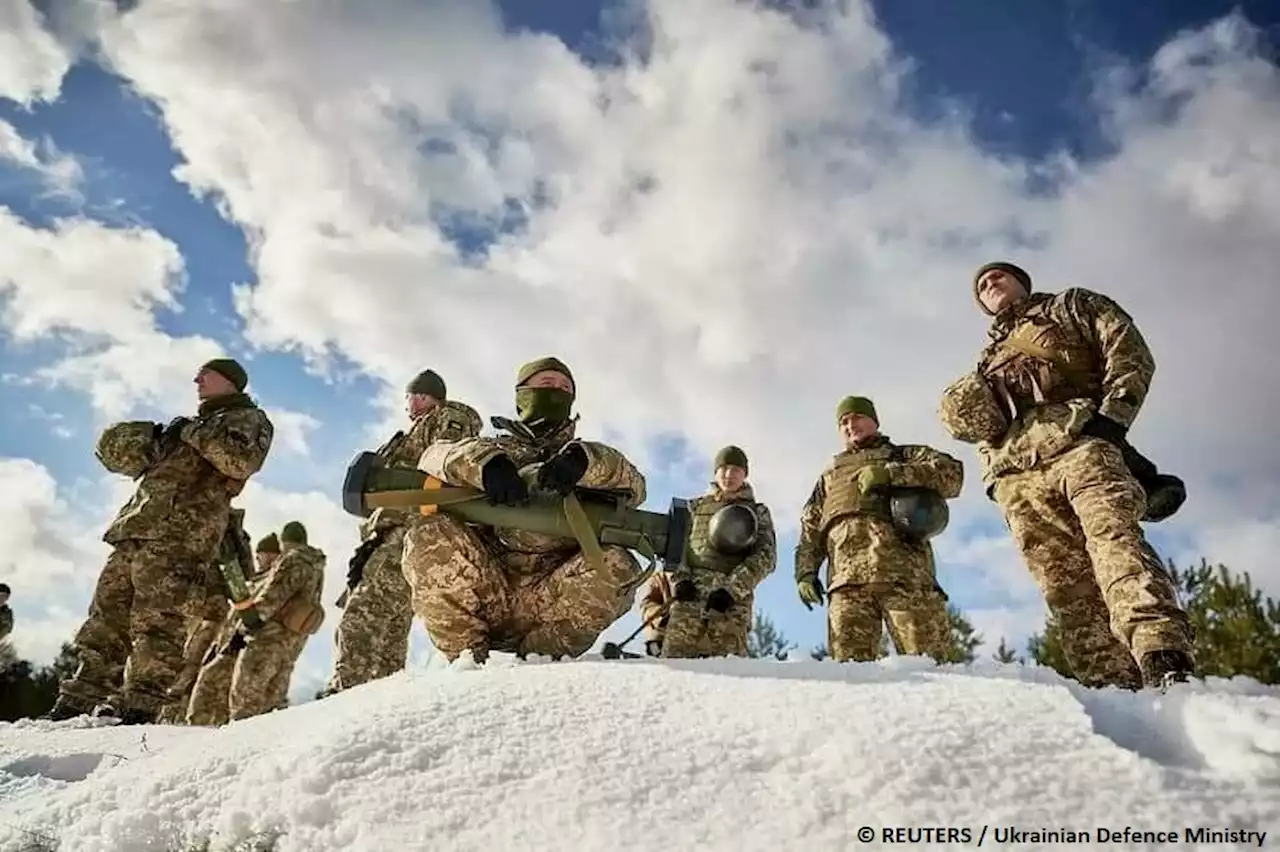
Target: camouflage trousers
{"type": "Point", "coordinates": [858, 613]}
{"type": "Point", "coordinates": [130, 646]}
{"type": "Point", "coordinates": [1075, 520]}
{"type": "Point", "coordinates": [692, 631]}
{"type": "Point", "coordinates": [372, 640]}
{"type": "Point", "coordinates": [248, 682]}
{"type": "Point", "coordinates": [469, 600]}
{"type": "Point", "coordinates": [199, 640]}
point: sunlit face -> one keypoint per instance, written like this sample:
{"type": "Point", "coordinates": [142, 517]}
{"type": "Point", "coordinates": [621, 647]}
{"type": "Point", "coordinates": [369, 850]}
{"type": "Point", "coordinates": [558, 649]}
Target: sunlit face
{"type": "Point", "coordinates": [856, 428]}
{"type": "Point", "coordinates": [210, 385]}
{"type": "Point", "coordinates": [418, 404]}
{"type": "Point", "coordinates": [729, 477]}
{"type": "Point", "coordinates": [998, 290]}
{"type": "Point", "coordinates": [265, 561]}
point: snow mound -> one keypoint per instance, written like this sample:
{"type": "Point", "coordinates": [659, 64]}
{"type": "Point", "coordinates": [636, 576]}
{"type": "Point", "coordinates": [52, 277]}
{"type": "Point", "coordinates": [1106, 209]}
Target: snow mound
{"type": "Point", "coordinates": [670, 755]}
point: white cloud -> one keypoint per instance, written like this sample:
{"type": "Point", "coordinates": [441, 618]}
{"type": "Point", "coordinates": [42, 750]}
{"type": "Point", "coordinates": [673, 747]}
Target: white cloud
{"type": "Point", "coordinates": [32, 60]}
{"type": "Point", "coordinates": [727, 237]}
{"type": "Point", "coordinates": [292, 430]}
{"type": "Point", "coordinates": [59, 172]}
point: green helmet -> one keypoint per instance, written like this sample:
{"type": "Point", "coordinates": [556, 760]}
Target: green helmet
{"type": "Point", "coordinates": [733, 529]}
{"type": "Point", "coordinates": [127, 448]}
{"type": "Point", "coordinates": [918, 513]}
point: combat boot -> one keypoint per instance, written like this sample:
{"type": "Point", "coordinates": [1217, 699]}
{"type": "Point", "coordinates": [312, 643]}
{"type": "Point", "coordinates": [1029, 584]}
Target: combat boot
{"type": "Point", "coordinates": [66, 708]}
{"type": "Point", "coordinates": [1160, 669]}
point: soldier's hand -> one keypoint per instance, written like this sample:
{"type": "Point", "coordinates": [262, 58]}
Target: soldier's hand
{"type": "Point", "coordinates": [720, 600]}
{"type": "Point", "coordinates": [811, 591]}
{"type": "Point", "coordinates": [561, 473]}
{"type": "Point", "coordinates": [872, 476]}
{"type": "Point", "coordinates": [653, 647]}
{"type": "Point", "coordinates": [1106, 429]}
{"type": "Point", "coordinates": [502, 483]}
{"type": "Point", "coordinates": [685, 591]}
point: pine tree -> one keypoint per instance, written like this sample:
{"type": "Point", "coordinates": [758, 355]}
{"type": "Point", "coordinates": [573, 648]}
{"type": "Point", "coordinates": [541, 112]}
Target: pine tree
{"type": "Point", "coordinates": [820, 652]}
{"type": "Point", "coordinates": [1005, 654]}
{"type": "Point", "coordinates": [1237, 630]}
{"type": "Point", "coordinates": [964, 642]}
{"type": "Point", "coordinates": [1046, 648]}
{"type": "Point", "coordinates": [765, 640]}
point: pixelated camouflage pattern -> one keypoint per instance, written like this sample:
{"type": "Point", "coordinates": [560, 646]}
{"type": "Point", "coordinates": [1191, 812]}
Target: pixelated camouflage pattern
{"type": "Point", "coordinates": [372, 639]}
{"type": "Point", "coordinates": [658, 593]}
{"type": "Point", "coordinates": [128, 448]}
{"type": "Point", "coordinates": [188, 492]}
{"type": "Point", "coordinates": [915, 616]}
{"type": "Point", "coordinates": [461, 462]}
{"type": "Point", "coordinates": [864, 547]}
{"type": "Point", "coordinates": [474, 595]}
{"type": "Point", "coordinates": [970, 412]}
{"type": "Point", "coordinates": [449, 421]}
{"type": "Point", "coordinates": [210, 702]}
{"type": "Point", "coordinates": [200, 639]}
{"type": "Point", "coordinates": [694, 631]}
{"type": "Point", "coordinates": [1076, 521]}
{"type": "Point", "coordinates": [145, 598]}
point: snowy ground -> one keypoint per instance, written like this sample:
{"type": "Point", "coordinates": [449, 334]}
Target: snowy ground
{"type": "Point", "coordinates": [647, 755]}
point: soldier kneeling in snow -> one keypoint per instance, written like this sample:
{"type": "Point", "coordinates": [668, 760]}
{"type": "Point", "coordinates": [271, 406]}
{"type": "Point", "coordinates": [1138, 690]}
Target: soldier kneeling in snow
{"type": "Point", "coordinates": [480, 588]}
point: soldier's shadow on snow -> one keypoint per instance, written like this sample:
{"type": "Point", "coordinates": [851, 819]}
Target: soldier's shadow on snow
{"type": "Point", "coordinates": [1147, 724]}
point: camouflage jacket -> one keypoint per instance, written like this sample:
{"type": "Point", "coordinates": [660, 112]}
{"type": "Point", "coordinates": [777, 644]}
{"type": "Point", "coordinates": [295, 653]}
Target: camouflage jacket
{"type": "Point", "coordinates": [738, 575]}
{"type": "Point", "coordinates": [1053, 362]}
{"type": "Point", "coordinates": [6, 620]}
{"type": "Point", "coordinates": [299, 572]}
{"type": "Point", "coordinates": [658, 595]}
{"type": "Point", "coordinates": [857, 529]}
{"type": "Point", "coordinates": [185, 495]}
{"type": "Point", "coordinates": [461, 463]}
{"type": "Point", "coordinates": [449, 421]}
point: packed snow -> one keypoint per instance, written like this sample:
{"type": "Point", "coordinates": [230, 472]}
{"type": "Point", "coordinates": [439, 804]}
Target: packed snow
{"type": "Point", "coordinates": [666, 755]}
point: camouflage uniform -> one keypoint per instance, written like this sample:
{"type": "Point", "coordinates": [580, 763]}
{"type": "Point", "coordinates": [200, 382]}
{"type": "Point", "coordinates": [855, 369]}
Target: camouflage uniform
{"type": "Point", "coordinates": [694, 628]}
{"type": "Point", "coordinates": [204, 633]}
{"type": "Point", "coordinates": [251, 676]}
{"type": "Point", "coordinates": [160, 573]}
{"type": "Point", "coordinates": [875, 575]}
{"type": "Point", "coordinates": [1061, 372]}
{"type": "Point", "coordinates": [372, 639]}
{"type": "Point", "coordinates": [479, 589]}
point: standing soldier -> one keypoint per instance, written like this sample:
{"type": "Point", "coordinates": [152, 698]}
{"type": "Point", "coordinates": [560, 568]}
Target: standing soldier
{"type": "Point", "coordinates": [372, 639]}
{"type": "Point", "coordinates": [481, 588]}
{"type": "Point", "coordinates": [876, 574]}
{"type": "Point", "coordinates": [709, 608]}
{"type": "Point", "coordinates": [1049, 407]}
{"type": "Point", "coordinates": [203, 634]}
{"type": "Point", "coordinates": [164, 540]}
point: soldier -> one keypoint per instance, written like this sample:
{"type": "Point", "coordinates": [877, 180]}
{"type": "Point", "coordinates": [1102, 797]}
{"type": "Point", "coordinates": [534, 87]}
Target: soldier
{"type": "Point", "coordinates": [251, 671]}
{"type": "Point", "coordinates": [1049, 407]}
{"type": "Point", "coordinates": [6, 612]}
{"type": "Point", "coordinates": [372, 639]}
{"type": "Point", "coordinates": [480, 588]}
{"type": "Point", "coordinates": [160, 572]}
{"type": "Point", "coordinates": [204, 633]}
{"type": "Point", "coordinates": [876, 574]}
{"type": "Point", "coordinates": [709, 608]}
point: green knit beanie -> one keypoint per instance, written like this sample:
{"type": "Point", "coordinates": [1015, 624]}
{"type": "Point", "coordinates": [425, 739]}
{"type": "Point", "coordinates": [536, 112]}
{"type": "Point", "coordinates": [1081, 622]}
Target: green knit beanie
{"type": "Point", "coordinates": [531, 369]}
{"type": "Point", "coordinates": [1004, 266]}
{"type": "Point", "coordinates": [429, 383]}
{"type": "Point", "coordinates": [269, 544]}
{"type": "Point", "coordinates": [229, 369]}
{"type": "Point", "coordinates": [856, 405]}
{"type": "Point", "coordinates": [293, 533]}
{"type": "Point", "coordinates": [731, 455]}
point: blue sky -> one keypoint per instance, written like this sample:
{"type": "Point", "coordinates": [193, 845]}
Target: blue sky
{"type": "Point", "coordinates": [1020, 79]}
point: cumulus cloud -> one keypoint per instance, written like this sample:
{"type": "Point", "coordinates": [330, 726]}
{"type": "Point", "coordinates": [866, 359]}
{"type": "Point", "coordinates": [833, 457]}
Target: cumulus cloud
{"type": "Point", "coordinates": [32, 60]}
{"type": "Point", "coordinates": [58, 173]}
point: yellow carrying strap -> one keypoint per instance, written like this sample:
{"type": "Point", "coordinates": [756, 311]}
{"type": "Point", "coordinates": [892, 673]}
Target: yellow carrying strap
{"type": "Point", "coordinates": [1074, 374]}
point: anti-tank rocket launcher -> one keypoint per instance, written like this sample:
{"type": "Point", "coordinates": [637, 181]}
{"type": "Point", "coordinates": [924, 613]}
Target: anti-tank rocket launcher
{"type": "Point", "coordinates": [594, 517]}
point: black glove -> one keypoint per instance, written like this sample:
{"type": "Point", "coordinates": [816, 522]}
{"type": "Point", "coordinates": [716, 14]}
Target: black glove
{"type": "Point", "coordinates": [720, 600]}
{"type": "Point", "coordinates": [502, 483]}
{"type": "Point", "coordinates": [561, 473]}
{"type": "Point", "coordinates": [169, 436]}
{"type": "Point", "coordinates": [355, 566]}
{"type": "Point", "coordinates": [653, 648]}
{"type": "Point", "coordinates": [1107, 429]}
{"type": "Point", "coordinates": [686, 591]}
{"type": "Point", "coordinates": [237, 643]}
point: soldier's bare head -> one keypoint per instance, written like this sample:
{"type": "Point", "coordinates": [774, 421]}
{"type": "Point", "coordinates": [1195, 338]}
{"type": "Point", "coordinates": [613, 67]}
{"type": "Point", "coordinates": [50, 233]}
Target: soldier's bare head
{"type": "Point", "coordinates": [220, 377]}
{"type": "Point", "coordinates": [1000, 285]}
{"type": "Point", "coordinates": [731, 468]}
{"type": "Point", "coordinates": [4, 593]}
{"type": "Point", "coordinates": [857, 420]}
{"type": "Point", "coordinates": [424, 393]}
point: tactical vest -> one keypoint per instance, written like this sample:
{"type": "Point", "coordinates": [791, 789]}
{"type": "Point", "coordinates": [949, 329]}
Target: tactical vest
{"type": "Point", "coordinates": [1042, 361]}
{"type": "Point", "coordinates": [840, 484]}
{"type": "Point", "coordinates": [701, 555]}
